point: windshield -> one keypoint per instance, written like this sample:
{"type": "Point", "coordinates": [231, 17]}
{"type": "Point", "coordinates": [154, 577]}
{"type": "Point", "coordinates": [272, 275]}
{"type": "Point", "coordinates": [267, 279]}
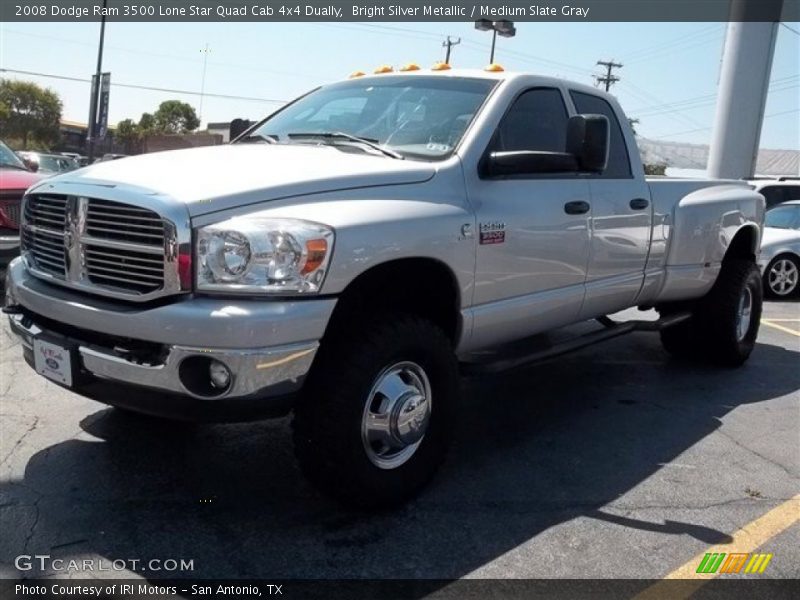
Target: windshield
{"type": "Point", "coordinates": [56, 164]}
{"type": "Point", "coordinates": [420, 117]}
{"type": "Point", "coordinates": [9, 159]}
{"type": "Point", "coordinates": [783, 217]}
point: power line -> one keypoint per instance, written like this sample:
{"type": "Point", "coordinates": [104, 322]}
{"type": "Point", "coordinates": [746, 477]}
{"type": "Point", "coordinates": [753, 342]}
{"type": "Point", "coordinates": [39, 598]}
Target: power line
{"type": "Point", "coordinates": [140, 52]}
{"type": "Point", "coordinates": [608, 79]}
{"type": "Point", "coordinates": [700, 101]}
{"type": "Point", "coordinates": [777, 114]}
{"type": "Point", "coordinates": [676, 40]}
{"type": "Point", "coordinates": [794, 31]}
{"type": "Point", "coordinates": [145, 87]}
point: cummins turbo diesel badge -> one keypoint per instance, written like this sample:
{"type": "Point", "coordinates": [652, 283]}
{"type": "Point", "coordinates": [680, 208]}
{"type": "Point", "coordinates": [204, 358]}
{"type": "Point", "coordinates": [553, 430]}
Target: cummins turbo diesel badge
{"type": "Point", "coordinates": [493, 233]}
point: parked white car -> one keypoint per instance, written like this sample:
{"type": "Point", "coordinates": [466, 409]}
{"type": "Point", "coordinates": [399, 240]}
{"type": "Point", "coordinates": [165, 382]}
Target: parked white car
{"type": "Point", "coordinates": [780, 250]}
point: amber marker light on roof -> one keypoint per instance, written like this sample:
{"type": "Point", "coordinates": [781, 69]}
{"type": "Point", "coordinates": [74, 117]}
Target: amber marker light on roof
{"type": "Point", "coordinates": [410, 67]}
{"type": "Point", "coordinates": [494, 68]}
{"type": "Point", "coordinates": [357, 74]}
{"type": "Point", "coordinates": [384, 69]}
{"type": "Point", "coordinates": [440, 67]}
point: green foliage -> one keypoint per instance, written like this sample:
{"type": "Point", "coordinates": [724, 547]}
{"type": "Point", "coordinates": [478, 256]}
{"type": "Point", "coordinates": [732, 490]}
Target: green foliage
{"type": "Point", "coordinates": [128, 133]}
{"type": "Point", "coordinates": [29, 113]}
{"type": "Point", "coordinates": [655, 169]}
{"type": "Point", "coordinates": [147, 124]}
{"type": "Point", "coordinates": [174, 116]}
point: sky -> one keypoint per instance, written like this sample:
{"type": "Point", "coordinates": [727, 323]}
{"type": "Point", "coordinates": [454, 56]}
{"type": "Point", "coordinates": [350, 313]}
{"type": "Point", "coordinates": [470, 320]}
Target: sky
{"type": "Point", "coordinates": [668, 81]}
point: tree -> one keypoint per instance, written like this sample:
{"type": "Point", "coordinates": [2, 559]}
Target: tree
{"type": "Point", "coordinates": [174, 116]}
{"type": "Point", "coordinates": [30, 114]}
{"type": "Point", "coordinates": [147, 123]}
{"type": "Point", "coordinates": [128, 134]}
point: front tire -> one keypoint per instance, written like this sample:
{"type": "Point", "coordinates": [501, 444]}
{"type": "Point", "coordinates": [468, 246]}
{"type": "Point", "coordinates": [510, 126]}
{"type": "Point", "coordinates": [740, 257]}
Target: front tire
{"type": "Point", "coordinates": [375, 418]}
{"type": "Point", "coordinates": [781, 277]}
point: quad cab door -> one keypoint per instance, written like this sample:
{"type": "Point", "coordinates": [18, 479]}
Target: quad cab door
{"type": "Point", "coordinates": [533, 230]}
{"type": "Point", "coordinates": [621, 219]}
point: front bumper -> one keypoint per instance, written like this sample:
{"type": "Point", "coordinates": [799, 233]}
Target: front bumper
{"type": "Point", "coordinates": [268, 346]}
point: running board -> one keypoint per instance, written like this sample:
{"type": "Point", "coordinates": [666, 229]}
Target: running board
{"type": "Point", "coordinates": [541, 347]}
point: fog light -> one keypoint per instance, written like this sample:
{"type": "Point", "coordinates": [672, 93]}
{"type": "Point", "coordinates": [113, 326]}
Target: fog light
{"type": "Point", "coordinates": [220, 375]}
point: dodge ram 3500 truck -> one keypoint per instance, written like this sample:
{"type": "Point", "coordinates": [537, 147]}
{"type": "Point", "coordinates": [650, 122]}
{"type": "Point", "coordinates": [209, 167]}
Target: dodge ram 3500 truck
{"type": "Point", "coordinates": [347, 256]}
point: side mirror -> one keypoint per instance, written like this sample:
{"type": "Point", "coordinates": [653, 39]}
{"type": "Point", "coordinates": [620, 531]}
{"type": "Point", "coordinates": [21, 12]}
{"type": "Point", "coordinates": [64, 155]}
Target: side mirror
{"type": "Point", "coordinates": [587, 141]}
{"type": "Point", "coordinates": [31, 164]}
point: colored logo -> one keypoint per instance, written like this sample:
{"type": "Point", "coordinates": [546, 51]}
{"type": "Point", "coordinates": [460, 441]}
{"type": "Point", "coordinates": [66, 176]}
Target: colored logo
{"type": "Point", "coordinates": [734, 563]}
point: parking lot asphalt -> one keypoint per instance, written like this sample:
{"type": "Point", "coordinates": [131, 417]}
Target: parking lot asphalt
{"type": "Point", "coordinates": [613, 462]}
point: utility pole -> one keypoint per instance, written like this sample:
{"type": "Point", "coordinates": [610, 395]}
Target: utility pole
{"type": "Point", "coordinates": [91, 126]}
{"type": "Point", "coordinates": [205, 52]}
{"type": "Point", "coordinates": [608, 80]}
{"type": "Point", "coordinates": [449, 44]}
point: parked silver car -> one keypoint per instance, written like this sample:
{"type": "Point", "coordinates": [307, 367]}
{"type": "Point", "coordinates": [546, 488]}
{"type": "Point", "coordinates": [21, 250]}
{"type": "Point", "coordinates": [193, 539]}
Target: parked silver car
{"type": "Point", "coordinates": [780, 250]}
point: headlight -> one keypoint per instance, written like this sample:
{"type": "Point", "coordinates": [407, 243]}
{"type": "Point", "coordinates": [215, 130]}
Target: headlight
{"type": "Point", "coordinates": [263, 255]}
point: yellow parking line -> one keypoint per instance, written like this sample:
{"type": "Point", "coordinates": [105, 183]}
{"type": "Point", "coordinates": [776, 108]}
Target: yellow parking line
{"type": "Point", "coordinates": [748, 539]}
{"type": "Point", "coordinates": [769, 323]}
{"type": "Point", "coordinates": [784, 320]}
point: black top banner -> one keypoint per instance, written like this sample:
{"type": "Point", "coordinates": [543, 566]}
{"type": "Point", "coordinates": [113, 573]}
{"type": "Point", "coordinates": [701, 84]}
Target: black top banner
{"type": "Point", "coordinates": [399, 10]}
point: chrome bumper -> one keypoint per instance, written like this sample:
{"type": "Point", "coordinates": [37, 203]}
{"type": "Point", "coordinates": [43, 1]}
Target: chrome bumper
{"type": "Point", "coordinates": [256, 372]}
{"type": "Point", "coordinates": [268, 346]}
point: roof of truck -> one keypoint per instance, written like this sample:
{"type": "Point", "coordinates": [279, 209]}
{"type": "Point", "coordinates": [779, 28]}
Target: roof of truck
{"type": "Point", "coordinates": [499, 75]}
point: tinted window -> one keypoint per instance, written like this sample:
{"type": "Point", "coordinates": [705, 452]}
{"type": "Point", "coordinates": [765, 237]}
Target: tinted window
{"type": "Point", "coordinates": [619, 166]}
{"type": "Point", "coordinates": [773, 194]}
{"type": "Point", "coordinates": [783, 217]}
{"type": "Point", "coordinates": [536, 121]}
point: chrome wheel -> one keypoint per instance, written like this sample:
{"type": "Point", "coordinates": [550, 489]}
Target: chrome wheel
{"type": "Point", "coordinates": [782, 277]}
{"type": "Point", "coordinates": [396, 415]}
{"type": "Point", "coordinates": [744, 314]}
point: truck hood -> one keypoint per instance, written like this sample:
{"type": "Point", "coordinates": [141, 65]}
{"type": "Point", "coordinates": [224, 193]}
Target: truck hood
{"type": "Point", "coordinates": [221, 177]}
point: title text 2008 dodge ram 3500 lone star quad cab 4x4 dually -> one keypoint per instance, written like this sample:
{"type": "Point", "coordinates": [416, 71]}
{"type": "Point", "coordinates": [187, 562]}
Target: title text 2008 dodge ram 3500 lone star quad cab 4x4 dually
{"type": "Point", "coordinates": [345, 256]}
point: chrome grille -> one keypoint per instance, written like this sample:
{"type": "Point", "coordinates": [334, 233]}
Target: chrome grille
{"type": "Point", "coordinates": [124, 223]}
{"type": "Point", "coordinates": [101, 246]}
{"type": "Point", "coordinates": [125, 269]}
{"type": "Point", "coordinates": [43, 235]}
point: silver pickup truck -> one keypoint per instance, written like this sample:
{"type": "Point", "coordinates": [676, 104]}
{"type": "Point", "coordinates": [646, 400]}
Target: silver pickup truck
{"type": "Point", "coordinates": [347, 257]}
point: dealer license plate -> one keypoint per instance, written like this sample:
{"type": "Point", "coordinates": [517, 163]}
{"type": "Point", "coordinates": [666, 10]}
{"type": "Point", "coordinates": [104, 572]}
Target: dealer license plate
{"type": "Point", "coordinates": [52, 361]}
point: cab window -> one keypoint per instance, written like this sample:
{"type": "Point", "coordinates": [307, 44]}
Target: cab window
{"type": "Point", "coordinates": [619, 164]}
{"type": "Point", "coordinates": [536, 121]}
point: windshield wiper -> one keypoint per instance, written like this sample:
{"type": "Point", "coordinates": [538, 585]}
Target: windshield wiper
{"type": "Point", "coordinates": [340, 135]}
{"type": "Point", "coordinates": [257, 137]}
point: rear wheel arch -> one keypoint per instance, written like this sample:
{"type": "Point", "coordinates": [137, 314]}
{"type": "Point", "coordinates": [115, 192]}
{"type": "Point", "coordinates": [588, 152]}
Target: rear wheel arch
{"type": "Point", "coordinates": [744, 245]}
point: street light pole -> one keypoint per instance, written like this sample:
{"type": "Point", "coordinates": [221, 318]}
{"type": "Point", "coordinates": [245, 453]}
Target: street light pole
{"type": "Point", "coordinates": [91, 127]}
{"type": "Point", "coordinates": [504, 28]}
{"type": "Point", "coordinates": [205, 52]}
